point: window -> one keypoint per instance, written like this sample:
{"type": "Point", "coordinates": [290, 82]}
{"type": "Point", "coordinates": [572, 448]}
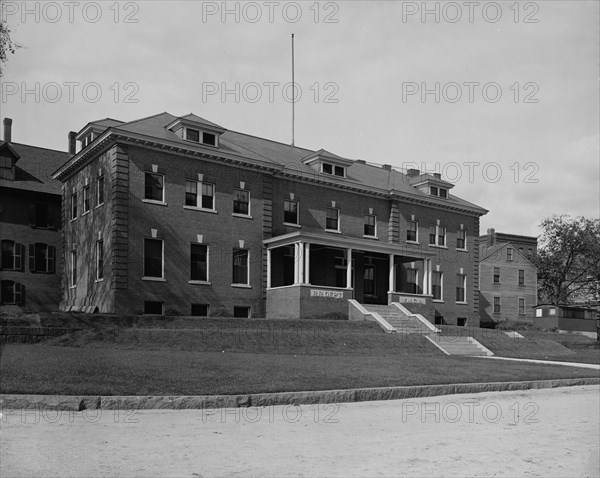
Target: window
{"type": "Point", "coordinates": [433, 190]}
{"type": "Point", "coordinates": [497, 305]}
{"type": "Point", "coordinates": [530, 253]}
{"type": "Point", "coordinates": [42, 215]}
{"type": "Point", "coordinates": [199, 310]}
{"type": "Point", "coordinates": [521, 306]}
{"type": "Point", "coordinates": [370, 228]}
{"type": "Point", "coordinates": [153, 307]}
{"type": "Point", "coordinates": [99, 259]}
{"type": "Point", "coordinates": [437, 235]}
{"type": "Point", "coordinates": [461, 282]}
{"type": "Point", "coordinates": [13, 254]}
{"type": "Point", "coordinates": [240, 267]}
{"type": "Point", "coordinates": [241, 202]}
{"type": "Point", "coordinates": [73, 206]}
{"type": "Point", "coordinates": [436, 285]}
{"type": "Point", "coordinates": [12, 292]}
{"type": "Point", "coordinates": [192, 135]}
{"type": "Point", "coordinates": [209, 139]}
{"type": "Point", "coordinates": [521, 277]}
{"type": "Point", "coordinates": [153, 258]}
{"type": "Point", "coordinates": [443, 193]}
{"type": "Point", "coordinates": [412, 231]}
{"type": "Point", "coordinates": [86, 199]}
{"type": "Point", "coordinates": [241, 312]}
{"type": "Point", "coordinates": [100, 190]}
{"type": "Point", "coordinates": [42, 258]}
{"type": "Point", "coordinates": [461, 321]}
{"type": "Point", "coordinates": [290, 212]}
{"type": "Point", "coordinates": [369, 280]}
{"type": "Point", "coordinates": [204, 200]}
{"type": "Point", "coordinates": [461, 239]}
{"type": "Point", "coordinates": [73, 268]}
{"type": "Point", "coordinates": [411, 280]}
{"type": "Point", "coordinates": [440, 192]}
{"type": "Point", "coordinates": [199, 263]}
{"type": "Point", "coordinates": [6, 168]}
{"type": "Point", "coordinates": [509, 254]}
{"type": "Point", "coordinates": [496, 275]}
{"type": "Point", "coordinates": [328, 168]}
{"type": "Point", "coordinates": [154, 188]}
{"type": "Point", "coordinates": [332, 221]}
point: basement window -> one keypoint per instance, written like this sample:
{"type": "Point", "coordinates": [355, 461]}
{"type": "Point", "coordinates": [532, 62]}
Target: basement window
{"type": "Point", "coordinates": [241, 312]}
{"type": "Point", "coordinates": [152, 307]}
{"type": "Point", "coordinates": [200, 310]}
{"type": "Point", "coordinates": [461, 321]}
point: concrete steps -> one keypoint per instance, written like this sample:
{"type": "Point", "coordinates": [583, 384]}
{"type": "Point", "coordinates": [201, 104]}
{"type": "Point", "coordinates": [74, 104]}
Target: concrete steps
{"type": "Point", "coordinates": [402, 323]}
{"type": "Point", "coordinates": [460, 345]}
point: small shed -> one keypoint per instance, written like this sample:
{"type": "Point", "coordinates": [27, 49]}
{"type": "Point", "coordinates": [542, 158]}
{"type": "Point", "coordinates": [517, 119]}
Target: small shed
{"type": "Point", "coordinates": [571, 317]}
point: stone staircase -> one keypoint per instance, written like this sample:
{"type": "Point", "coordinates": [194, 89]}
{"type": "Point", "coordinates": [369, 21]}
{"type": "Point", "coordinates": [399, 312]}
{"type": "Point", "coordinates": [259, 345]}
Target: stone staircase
{"type": "Point", "coordinates": [402, 323]}
{"type": "Point", "coordinates": [459, 345]}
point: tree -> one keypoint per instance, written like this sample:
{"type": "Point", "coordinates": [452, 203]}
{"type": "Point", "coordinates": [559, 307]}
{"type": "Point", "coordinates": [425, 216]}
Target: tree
{"type": "Point", "coordinates": [568, 259]}
{"type": "Point", "coordinates": [7, 46]}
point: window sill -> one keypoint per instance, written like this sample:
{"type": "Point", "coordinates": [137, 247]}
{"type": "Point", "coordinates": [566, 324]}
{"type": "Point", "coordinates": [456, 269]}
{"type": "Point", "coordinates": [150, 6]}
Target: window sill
{"type": "Point", "coordinates": [199, 282]}
{"type": "Point", "coordinates": [243, 216]}
{"type": "Point", "coordinates": [200, 209]}
{"type": "Point", "coordinates": [461, 303]}
{"type": "Point", "coordinates": [416, 243]}
{"type": "Point", "coordinates": [462, 250]}
{"type": "Point", "coordinates": [242, 286]}
{"type": "Point", "coordinates": [289, 224]}
{"type": "Point", "coordinates": [438, 247]}
{"type": "Point", "coordinates": [85, 213]}
{"type": "Point", "coordinates": [438, 301]}
{"type": "Point", "coordinates": [152, 201]}
{"type": "Point", "coordinates": [72, 287]}
{"type": "Point", "coordinates": [333, 231]}
{"type": "Point", "coordinates": [371, 237]}
{"type": "Point", "coordinates": [99, 205]}
{"type": "Point", "coordinates": [99, 280]}
{"type": "Point", "coordinates": [72, 219]}
{"type": "Point", "coordinates": [154, 279]}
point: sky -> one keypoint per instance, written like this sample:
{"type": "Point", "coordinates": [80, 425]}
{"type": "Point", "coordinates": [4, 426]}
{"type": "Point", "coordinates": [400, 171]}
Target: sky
{"type": "Point", "coordinates": [501, 98]}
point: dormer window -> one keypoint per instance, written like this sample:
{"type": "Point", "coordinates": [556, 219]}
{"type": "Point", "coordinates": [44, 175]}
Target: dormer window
{"type": "Point", "coordinates": [433, 191]}
{"type": "Point", "coordinates": [198, 136]}
{"type": "Point", "coordinates": [192, 135]}
{"type": "Point", "coordinates": [196, 129]}
{"type": "Point", "coordinates": [7, 168]}
{"type": "Point", "coordinates": [328, 168]}
{"type": "Point", "coordinates": [439, 192]}
{"type": "Point", "coordinates": [209, 138]}
{"type": "Point", "coordinates": [443, 193]}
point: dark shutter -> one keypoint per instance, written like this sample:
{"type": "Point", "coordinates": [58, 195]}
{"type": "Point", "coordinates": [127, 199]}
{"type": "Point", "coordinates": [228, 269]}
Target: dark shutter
{"type": "Point", "coordinates": [32, 214]}
{"type": "Point", "coordinates": [19, 294]}
{"type": "Point", "coordinates": [51, 259]}
{"type": "Point", "coordinates": [32, 257]}
{"type": "Point", "coordinates": [19, 250]}
{"type": "Point", "coordinates": [51, 216]}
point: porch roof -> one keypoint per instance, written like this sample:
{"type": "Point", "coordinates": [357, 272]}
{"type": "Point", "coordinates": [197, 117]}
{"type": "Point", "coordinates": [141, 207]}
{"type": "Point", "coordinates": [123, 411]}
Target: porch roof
{"type": "Point", "coordinates": [355, 243]}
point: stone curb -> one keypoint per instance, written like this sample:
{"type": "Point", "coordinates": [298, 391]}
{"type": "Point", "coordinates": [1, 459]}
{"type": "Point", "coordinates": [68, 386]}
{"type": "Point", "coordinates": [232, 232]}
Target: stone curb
{"type": "Point", "coordinates": [80, 403]}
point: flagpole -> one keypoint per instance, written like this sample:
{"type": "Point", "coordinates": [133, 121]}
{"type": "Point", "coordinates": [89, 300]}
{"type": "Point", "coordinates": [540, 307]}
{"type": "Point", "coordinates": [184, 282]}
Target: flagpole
{"type": "Point", "coordinates": [293, 93]}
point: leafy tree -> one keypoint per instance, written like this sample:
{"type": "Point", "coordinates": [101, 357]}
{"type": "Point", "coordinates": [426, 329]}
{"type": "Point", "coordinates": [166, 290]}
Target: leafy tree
{"type": "Point", "coordinates": [7, 46]}
{"type": "Point", "coordinates": [568, 259]}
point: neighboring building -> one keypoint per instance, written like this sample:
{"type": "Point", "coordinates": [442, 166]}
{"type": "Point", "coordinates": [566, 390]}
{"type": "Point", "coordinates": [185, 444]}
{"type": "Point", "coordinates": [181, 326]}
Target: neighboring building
{"type": "Point", "coordinates": [571, 317]}
{"type": "Point", "coordinates": [30, 223]}
{"type": "Point", "coordinates": [178, 215]}
{"type": "Point", "coordinates": [507, 277]}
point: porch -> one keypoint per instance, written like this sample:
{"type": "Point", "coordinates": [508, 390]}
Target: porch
{"type": "Point", "coordinates": [314, 275]}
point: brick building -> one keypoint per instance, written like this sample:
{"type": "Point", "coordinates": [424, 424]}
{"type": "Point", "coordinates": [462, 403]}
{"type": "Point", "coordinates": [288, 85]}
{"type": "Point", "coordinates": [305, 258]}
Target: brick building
{"type": "Point", "coordinates": [30, 205]}
{"type": "Point", "coordinates": [178, 215]}
{"type": "Point", "coordinates": [507, 277]}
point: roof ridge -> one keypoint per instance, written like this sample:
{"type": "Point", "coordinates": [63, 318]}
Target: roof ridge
{"type": "Point", "coordinates": [147, 118]}
{"type": "Point", "coordinates": [37, 147]}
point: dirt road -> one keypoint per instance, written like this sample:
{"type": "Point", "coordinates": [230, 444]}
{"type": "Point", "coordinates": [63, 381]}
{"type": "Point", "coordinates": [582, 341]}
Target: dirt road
{"type": "Point", "coordinates": [535, 433]}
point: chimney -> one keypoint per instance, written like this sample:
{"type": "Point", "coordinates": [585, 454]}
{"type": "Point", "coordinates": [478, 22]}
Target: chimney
{"type": "Point", "coordinates": [437, 175]}
{"type": "Point", "coordinates": [7, 130]}
{"type": "Point", "coordinates": [491, 237]}
{"type": "Point", "coordinates": [387, 166]}
{"type": "Point", "coordinates": [411, 173]}
{"type": "Point", "coordinates": [72, 143]}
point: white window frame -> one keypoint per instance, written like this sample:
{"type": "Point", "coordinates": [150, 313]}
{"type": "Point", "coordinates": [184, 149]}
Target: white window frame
{"type": "Point", "coordinates": [152, 278]}
{"type": "Point", "coordinates": [374, 235]}
{"type": "Point", "coordinates": [199, 187]}
{"type": "Point", "coordinates": [74, 208]}
{"type": "Point", "coordinates": [241, 284]}
{"type": "Point", "coordinates": [438, 229]}
{"type": "Point", "coordinates": [99, 252]}
{"type": "Point", "coordinates": [464, 288]}
{"type": "Point", "coordinates": [164, 190]}
{"type": "Point", "coordinates": [519, 306]}
{"type": "Point", "coordinates": [509, 254]}
{"type": "Point", "coordinates": [338, 219]}
{"type": "Point", "coordinates": [73, 282]}
{"type": "Point", "coordinates": [18, 253]}
{"type": "Point", "coordinates": [297, 203]}
{"type": "Point", "coordinates": [441, 299]}
{"type": "Point", "coordinates": [86, 196]}
{"type": "Point", "coordinates": [240, 214]}
{"type": "Point", "coordinates": [100, 188]}
{"type": "Point", "coordinates": [461, 231]}
{"type": "Point", "coordinates": [201, 281]}
{"type": "Point", "coordinates": [499, 303]}
{"type": "Point", "coordinates": [416, 240]}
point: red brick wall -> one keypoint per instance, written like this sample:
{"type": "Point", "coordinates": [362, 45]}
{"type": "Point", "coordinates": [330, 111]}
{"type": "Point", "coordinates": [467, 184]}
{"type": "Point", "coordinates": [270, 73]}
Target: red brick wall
{"type": "Point", "coordinates": [42, 291]}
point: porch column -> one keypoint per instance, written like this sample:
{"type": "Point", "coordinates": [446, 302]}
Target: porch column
{"type": "Point", "coordinates": [348, 268]}
{"type": "Point", "coordinates": [307, 262]}
{"type": "Point", "coordinates": [298, 265]}
{"type": "Point", "coordinates": [425, 275]}
{"type": "Point", "coordinates": [392, 277]}
{"type": "Point", "coordinates": [268, 268]}
{"type": "Point", "coordinates": [429, 276]}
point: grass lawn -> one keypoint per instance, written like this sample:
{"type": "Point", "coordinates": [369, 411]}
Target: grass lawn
{"type": "Point", "coordinates": [38, 369]}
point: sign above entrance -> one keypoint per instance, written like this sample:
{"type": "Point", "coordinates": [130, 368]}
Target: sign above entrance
{"type": "Point", "coordinates": [332, 294]}
{"type": "Point", "coordinates": [411, 300]}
